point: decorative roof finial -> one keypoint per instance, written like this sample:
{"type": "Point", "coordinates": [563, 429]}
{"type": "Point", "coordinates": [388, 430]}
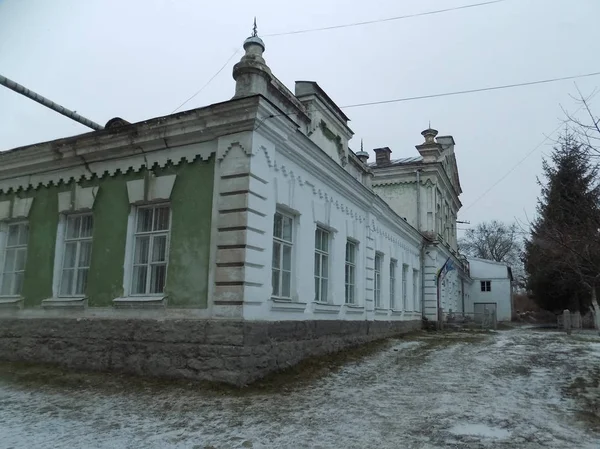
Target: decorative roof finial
{"type": "Point", "coordinates": [361, 145]}
{"type": "Point", "coordinates": [254, 29]}
{"type": "Point", "coordinates": [429, 120]}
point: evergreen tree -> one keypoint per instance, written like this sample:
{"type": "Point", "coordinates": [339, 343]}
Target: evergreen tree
{"type": "Point", "coordinates": [562, 255]}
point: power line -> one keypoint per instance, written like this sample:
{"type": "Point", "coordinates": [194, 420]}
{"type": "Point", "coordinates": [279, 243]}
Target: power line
{"type": "Point", "coordinates": [470, 91]}
{"type": "Point", "coordinates": [207, 83]}
{"type": "Point", "coordinates": [388, 19]}
{"type": "Point", "coordinates": [519, 163]}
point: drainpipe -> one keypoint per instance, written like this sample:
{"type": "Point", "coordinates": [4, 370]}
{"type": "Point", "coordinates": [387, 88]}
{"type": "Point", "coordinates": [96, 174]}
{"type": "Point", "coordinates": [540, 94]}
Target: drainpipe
{"type": "Point", "coordinates": [422, 255]}
{"type": "Point", "coordinates": [12, 85]}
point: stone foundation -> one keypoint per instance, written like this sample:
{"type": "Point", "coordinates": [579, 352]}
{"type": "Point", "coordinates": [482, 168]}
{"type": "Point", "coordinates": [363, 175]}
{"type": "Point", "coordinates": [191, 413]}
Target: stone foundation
{"type": "Point", "coordinates": [233, 352]}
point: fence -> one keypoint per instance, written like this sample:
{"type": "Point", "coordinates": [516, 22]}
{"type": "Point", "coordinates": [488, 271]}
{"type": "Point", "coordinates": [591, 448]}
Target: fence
{"type": "Point", "coordinates": [574, 321]}
{"type": "Point", "coordinates": [476, 320]}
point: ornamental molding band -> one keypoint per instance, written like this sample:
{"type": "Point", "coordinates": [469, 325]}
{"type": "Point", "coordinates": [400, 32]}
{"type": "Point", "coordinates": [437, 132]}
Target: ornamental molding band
{"type": "Point", "coordinates": [328, 198]}
{"type": "Point", "coordinates": [242, 140]}
{"type": "Point", "coordinates": [150, 188]}
{"type": "Point", "coordinates": [15, 208]}
{"type": "Point", "coordinates": [77, 198]}
{"type": "Point", "coordinates": [86, 170]}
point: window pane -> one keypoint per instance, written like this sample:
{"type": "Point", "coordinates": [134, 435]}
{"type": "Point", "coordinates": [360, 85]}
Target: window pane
{"type": "Point", "coordinates": [287, 257]}
{"type": "Point", "coordinates": [21, 258]}
{"type": "Point", "coordinates": [82, 275]}
{"type": "Point", "coordinates": [70, 255]}
{"type": "Point", "coordinates": [323, 289]}
{"type": "Point", "coordinates": [276, 255]}
{"type": "Point", "coordinates": [85, 253]}
{"type": "Point", "coordinates": [66, 282]}
{"type": "Point", "coordinates": [23, 234]}
{"type": "Point", "coordinates": [351, 275]}
{"type": "Point", "coordinates": [157, 281]}
{"type": "Point", "coordinates": [73, 225]}
{"type": "Point", "coordinates": [5, 288]}
{"type": "Point", "coordinates": [275, 282]}
{"type": "Point", "coordinates": [317, 285]}
{"type": "Point", "coordinates": [142, 247]}
{"type": "Point", "coordinates": [278, 226]}
{"type": "Point", "coordinates": [286, 284]}
{"type": "Point", "coordinates": [287, 229]}
{"type": "Point", "coordinates": [87, 223]}
{"type": "Point", "coordinates": [159, 248]}
{"type": "Point", "coordinates": [161, 218]}
{"type": "Point", "coordinates": [325, 241]}
{"type": "Point", "coordinates": [347, 274]}
{"type": "Point", "coordinates": [144, 220]}
{"type": "Point", "coordinates": [9, 261]}
{"type": "Point", "coordinates": [139, 280]}
{"type": "Point", "coordinates": [325, 262]}
{"type": "Point", "coordinates": [13, 235]}
{"type": "Point", "coordinates": [18, 283]}
{"type": "Point", "coordinates": [317, 239]}
{"type": "Point", "coordinates": [317, 265]}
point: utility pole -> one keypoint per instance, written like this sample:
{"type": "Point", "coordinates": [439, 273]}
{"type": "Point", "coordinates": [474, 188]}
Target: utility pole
{"type": "Point", "coordinates": [12, 85]}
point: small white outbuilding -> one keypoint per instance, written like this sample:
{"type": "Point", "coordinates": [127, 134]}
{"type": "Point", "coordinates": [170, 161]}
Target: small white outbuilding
{"type": "Point", "coordinates": [491, 288]}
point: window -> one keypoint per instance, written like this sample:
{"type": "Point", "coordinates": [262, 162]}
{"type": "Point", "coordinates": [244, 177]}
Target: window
{"type": "Point", "coordinates": [151, 250]}
{"type": "Point", "coordinates": [77, 252]}
{"type": "Point", "coordinates": [486, 286]}
{"type": "Point", "coordinates": [393, 265]}
{"type": "Point", "coordinates": [415, 287]}
{"type": "Point", "coordinates": [321, 264]}
{"type": "Point", "coordinates": [281, 277]}
{"type": "Point", "coordinates": [15, 256]}
{"type": "Point", "coordinates": [350, 281]}
{"type": "Point", "coordinates": [377, 279]}
{"type": "Point", "coordinates": [404, 292]}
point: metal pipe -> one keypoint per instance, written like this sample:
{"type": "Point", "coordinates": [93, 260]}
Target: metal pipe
{"type": "Point", "coordinates": [12, 85]}
{"type": "Point", "coordinates": [422, 261]}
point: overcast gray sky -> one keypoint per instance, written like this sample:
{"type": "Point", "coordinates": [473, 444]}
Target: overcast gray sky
{"type": "Point", "coordinates": [139, 59]}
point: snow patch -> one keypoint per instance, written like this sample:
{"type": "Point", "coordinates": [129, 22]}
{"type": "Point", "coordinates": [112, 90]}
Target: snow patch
{"type": "Point", "coordinates": [478, 429]}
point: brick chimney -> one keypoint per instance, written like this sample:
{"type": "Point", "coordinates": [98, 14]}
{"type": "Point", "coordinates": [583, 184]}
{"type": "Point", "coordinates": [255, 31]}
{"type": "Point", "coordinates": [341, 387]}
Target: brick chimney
{"type": "Point", "coordinates": [382, 156]}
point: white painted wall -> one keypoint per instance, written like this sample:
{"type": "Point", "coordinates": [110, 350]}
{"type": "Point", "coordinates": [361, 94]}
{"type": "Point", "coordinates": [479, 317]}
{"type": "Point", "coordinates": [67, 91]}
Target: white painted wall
{"type": "Point", "coordinates": [302, 180]}
{"type": "Point", "coordinates": [500, 294]}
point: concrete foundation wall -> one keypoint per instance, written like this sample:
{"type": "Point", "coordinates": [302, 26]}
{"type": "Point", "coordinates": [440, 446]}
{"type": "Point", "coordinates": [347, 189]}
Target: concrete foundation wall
{"type": "Point", "coordinates": [234, 352]}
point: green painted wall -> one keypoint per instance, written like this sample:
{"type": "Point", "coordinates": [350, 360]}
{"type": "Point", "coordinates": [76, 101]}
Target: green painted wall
{"type": "Point", "coordinates": [187, 276]}
{"type": "Point", "coordinates": [111, 209]}
{"type": "Point", "coordinates": [43, 222]}
{"type": "Point", "coordinates": [191, 202]}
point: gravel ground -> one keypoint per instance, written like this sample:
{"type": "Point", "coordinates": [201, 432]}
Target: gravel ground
{"type": "Point", "coordinates": [511, 389]}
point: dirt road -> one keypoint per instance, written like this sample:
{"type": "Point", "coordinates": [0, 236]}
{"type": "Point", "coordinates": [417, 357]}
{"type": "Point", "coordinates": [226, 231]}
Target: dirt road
{"type": "Point", "coordinates": [512, 389]}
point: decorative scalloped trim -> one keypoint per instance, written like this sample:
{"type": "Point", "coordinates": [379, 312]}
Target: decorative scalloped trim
{"type": "Point", "coordinates": [109, 168]}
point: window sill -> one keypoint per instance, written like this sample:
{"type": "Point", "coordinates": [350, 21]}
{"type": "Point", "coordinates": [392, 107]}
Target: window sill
{"type": "Point", "coordinates": [140, 302]}
{"type": "Point", "coordinates": [15, 302]}
{"type": "Point", "coordinates": [287, 305]}
{"type": "Point", "coordinates": [325, 307]}
{"type": "Point", "coordinates": [79, 303]}
{"type": "Point", "coordinates": [397, 312]}
{"type": "Point", "coordinates": [354, 309]}
{"type": "Point", "coordinates": [381, 311]}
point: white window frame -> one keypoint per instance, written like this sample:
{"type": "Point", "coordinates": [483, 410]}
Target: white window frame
{"type": "Point", "coordinates": [416, 289]}
{"type": "Point", "coordinates": [350, 273]}
{"type": "Point", "coordinates": [404, 289]}
{"type": "Point", "coordinates": [393, 267]}
{"type": "Point", "coordinates": [377, 264]}
{"type": "Point", "coordinates": [322, 272]}
{"type": "Point", "coordinates": [283, 244]}
{"type": "Point", "coordinates": [60, 252]}
{"type": "Point", "coordinates": [486, 286]}
{"type": "Point", "coordinates": [130, 258]}
{"type": "Point", "coordinates": [4, 230]}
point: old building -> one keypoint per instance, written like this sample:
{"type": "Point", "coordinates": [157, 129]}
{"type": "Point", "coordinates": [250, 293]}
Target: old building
{"type": "Point", "coordinates": [253, 213]}
{"type": "Point", "coordinates": [424, 189]}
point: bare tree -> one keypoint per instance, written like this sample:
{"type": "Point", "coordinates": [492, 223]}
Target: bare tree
{"type": "Point", "coordinates": [496, 241]}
